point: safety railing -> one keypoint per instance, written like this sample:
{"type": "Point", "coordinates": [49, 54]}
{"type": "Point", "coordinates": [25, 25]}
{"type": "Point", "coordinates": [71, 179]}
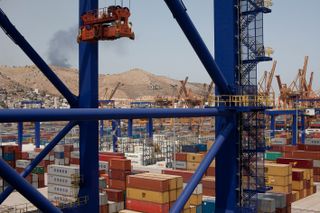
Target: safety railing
{"type": "Point", "coordinates": [241, 101]}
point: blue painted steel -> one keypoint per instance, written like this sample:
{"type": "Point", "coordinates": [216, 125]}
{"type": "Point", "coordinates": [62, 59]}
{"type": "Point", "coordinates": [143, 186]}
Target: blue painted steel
{"type": "Point", "coordinates": [40, 157]}
{"type": "Point", "coordinates": [37, 134]}
{"type": "Point", "coordinates": [89, 130]}
{"type": "Point", "coordinates": [116, 132]}
{"type": "Point", "coordinates": [15, 35]}
{"type": "Point", "coordinates": [226, 28]}
{"type": "Point", "coordinates": [130, 123]}
{"type": "Point", "coordinates": [26, 189]}
{"type": "Point", "coordinates": [85, 114]}
{"type": "Point", "coordinates": [272, 126]}
{"type": "Point", "coordinates": [202, 168]}
{"type": "Point", "coordinates": [280, 112]}
{"type": "Point", "coordinates": [294, 127]}
{"type": "Point", "coordinates": [20, 134]}
{"type": "Point", "coordinates": [101, 130]}
{"type": "Point", "coordinates": [303, 129]}
{"type": "Point", "coordinates": [179, 12]}
{"type": "Point", "coordinates": [150, 127]}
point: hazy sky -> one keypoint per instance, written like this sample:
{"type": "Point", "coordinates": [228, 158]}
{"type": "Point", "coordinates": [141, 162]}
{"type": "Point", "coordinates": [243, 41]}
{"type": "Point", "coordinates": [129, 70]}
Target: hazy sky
{"type": "Point", "coordinates": [292, 30]}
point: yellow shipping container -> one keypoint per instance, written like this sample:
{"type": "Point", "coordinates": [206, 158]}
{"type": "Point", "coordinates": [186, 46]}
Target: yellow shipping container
{"type": "Point", "coordinates": [295, 195]}
{"type": "Point", "coordinates": [192, 166]}
{"type": "Point", "coordinates": [278, 180]}
{"type": "Point", "coordinates": [278, 169]}
{"type": "Point", "coordinates": [297, 185]}
{"type": "Point", "coordinates": [193, 209]}
{"type": "Point", "coordinates": [194, 157]}
{"type": "Point", "coordinates": [196, 199]}
{"type": "Point", "coordinates": [173, 195]}
{"type": "Point", "coordinates": [281, 189]}
{"type": "Point", "coordinates": [146, 195]}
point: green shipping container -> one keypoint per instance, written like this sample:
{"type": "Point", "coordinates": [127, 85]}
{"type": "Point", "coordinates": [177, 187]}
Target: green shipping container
{"type": "Point", "coordinates": [38, 170]}
{"type": "Point", "coordinates": [272, 155]}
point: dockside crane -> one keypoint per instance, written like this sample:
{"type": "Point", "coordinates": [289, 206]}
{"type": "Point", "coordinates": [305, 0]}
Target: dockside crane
{"type": "Point", "coordinates": [265, 84]}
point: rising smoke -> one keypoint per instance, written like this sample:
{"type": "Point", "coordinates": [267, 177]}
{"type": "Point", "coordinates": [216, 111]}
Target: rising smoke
{"type": "Point", "coordinates": [62, 47]}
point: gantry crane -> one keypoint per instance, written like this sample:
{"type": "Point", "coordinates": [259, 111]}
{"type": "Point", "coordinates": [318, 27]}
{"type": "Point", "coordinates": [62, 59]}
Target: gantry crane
{"type": "Point", "coordinates": [208, 92]}
{"type": "Point", "coordinates": [265, 84]}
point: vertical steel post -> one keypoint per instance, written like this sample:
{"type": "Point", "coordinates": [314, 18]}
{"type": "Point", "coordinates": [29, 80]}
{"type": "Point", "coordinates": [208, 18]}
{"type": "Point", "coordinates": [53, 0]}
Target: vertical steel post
{"type": "Point", "coordinates": [130, 123]}
{"type": "Point", "coordinates": [294, 128]}
{"type": "Point", "coordinates": [150, 127]}
{"type": "Point", "coordinates": [89, 130]}
{"type": "Point", "coordinates": [101, 130]}
{"type": "Point", "coordinates": [272, 126]}
{"type": "Point", "coordinates": [114, 136]}
{"type": "Point", "coordinates": [303, 129]}
{"type": "Point", "coordinates": [25, 188]}
{"type": "Point", "coordinates": [37, 136]}
{"type": "Point", "coordinates": [226, 28]}
{"type": "Point", "coordinates": [20, 134]}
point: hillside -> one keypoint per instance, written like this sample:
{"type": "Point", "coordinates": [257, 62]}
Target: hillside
{"type": "Point", "coordinates": [136, 83]}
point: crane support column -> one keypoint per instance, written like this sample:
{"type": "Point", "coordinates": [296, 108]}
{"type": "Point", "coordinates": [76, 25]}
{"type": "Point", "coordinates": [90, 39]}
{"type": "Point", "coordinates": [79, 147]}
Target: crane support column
{"type": "Point", "coordinates": [150, 128]}
{"type": "Point", "coordinates": [294, 127]}
{"type": "Point", "coordinates": [89, 130]}
{"type": "Point", "coordinates": [20, 134]}
{"type": "Point", "coordinates": [303, 129]}
{"type": "Point", "coordinates": [37, 134]}
{"type": "Point", "coordinates": [130, 123]}
{"type": "Point", "coordinates": [272, 126]}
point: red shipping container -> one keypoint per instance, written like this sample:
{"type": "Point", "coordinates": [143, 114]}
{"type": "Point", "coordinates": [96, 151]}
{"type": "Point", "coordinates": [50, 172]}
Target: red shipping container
{"type": "Point", "coordinates": [112, 154]}
{"type": "Point", "coordinates": [115, 195]}
{"type": "Point", "coordinates": [209, 192]}
{"type": "Point", "coordinates": [209, 182]}
{"type": "Point", "coordinates": [117, 184]}
{"type": "Point", "coordinates": [306, 155]}
{"type": "Point", "coordinates": [211, 171]}
{"type": "Point", "coordinates": [289, 148]}
{"type": "Point", "coordinates": [119, 174]}
{"type": "Point", "coordinates": [297, 163]}
{"type": "Point", "coordinates": [281, 210]}
{"type": "Point", "coordinates": [276, 148]}
{"type": "Point", "coordinates": [147, 183]}
{"type": "Point", "coordinates": [146, 207]}
{"type": "Point", "coordinates": [287, 154]}
{"type": "Point", "coordinates": [103, 209]}
{"type": "Point", "coordinates": [120, 164]}
{"type": "Point", "coordinates": [316, 170]}
{"type": "Point", "coordinates": [297, 175]}
{"type": "Point", "coordinates": [75, 161]}
{"type": "Point", "coordinates": [301, 146]}
{"type": "Point", "coordinates": [186, 175]}
{"type": "Point", "coordinates": [312, 147]}
{"type": "Point", "coordinates": [316, 178]}
{"type": "Point", "coordinates": [181, 156]}
{"type": "Point", "coordinates": [107, 158]}
{"type": "Point", "coordinates": [68, 147]}
{"type": "Point", "coordinates": [24, 155]}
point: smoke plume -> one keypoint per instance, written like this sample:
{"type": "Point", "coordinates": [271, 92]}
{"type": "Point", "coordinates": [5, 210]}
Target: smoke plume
{"type": "Point", "coordinates": [62, 46]}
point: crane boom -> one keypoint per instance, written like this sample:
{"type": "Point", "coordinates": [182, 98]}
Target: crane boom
{"type": "Point", "coordinates": [269, 81]}
{"type": "Point", "coordinates": [183, 84]}
{"type": "Point", "coordinates": [114, 90]}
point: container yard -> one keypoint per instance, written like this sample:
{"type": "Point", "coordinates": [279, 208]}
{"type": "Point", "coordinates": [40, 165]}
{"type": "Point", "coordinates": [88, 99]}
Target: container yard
{"type": "Point", "coordinates": [80, 140]}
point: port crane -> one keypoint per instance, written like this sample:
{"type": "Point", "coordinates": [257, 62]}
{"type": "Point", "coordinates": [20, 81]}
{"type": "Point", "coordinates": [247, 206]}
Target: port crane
{"type": "Point", "coordinates": [265, 84]}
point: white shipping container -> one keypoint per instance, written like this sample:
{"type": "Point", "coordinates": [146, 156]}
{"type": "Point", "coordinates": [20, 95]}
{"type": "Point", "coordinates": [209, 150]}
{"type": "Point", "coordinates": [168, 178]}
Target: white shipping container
{"type": "Point", "coordinates": [61, 198]}
{"type": "Point", "coordinates": [64, 171]}
{"type": "Point", "coordinates": [63, 181]}
{"type": "Point", "coordinates": [115, 207]}
{"type": "Point", "coordinates": [35, 178]}
{"type": "Point", "coordinates": [64, 190]}
{"type": "Point", "coordinates": [134, 155]}
{"type": "Point", "coordinates": [104, 165]}
{"type": "Point", "coordinates": [51, 157]}
{"type": "Point", "coordinates": [66, 161]}
{"type": "Point", "coordinates": [59, 161]}
{"type": "Point", "coordinates": [316, 163]}
{"type": "Point", "coordinates": [197, 190]}
{"type": "Point", "coordinates": [103, 199]}
{"type": "Point", "coordinates": [32, 155]}
{"type": "Point", "coordinates": [279, 141]}
{"type": "Point", "coordinates": [180, 164]}
{"type": "Point", "coordinates": [22, 163]}
{"type": "Point", "coordinates": [75, 154]}
{"type": "Point", "coordinates": [35, 184]}
{"type": "Point", "coordinates": [59, 148]}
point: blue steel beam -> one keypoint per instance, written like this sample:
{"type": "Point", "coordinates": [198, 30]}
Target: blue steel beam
{"type": "Point", "coordinates": [179, 12]}
{"type": "Point", "coordinates": [86, 114]}
{"type": "Point", "coordinates": [37, 136]}
{"type": "Point", "coordinates": [294, 127]}
{"type": "Point", "coordinates": [20, 134]}
{"type": "Point", "coordinates": [26, 189]}
{"type": "Point", "coordinates": [40, 157]}
{"type": "Point", "coordinates": [130, 124]}
{"type": "Point", "coordinates": [272, 126]}
{"type": "Point", "coordinates": [303, 129]}
{"type": "Point", "coordinates": [114, 135]}
{"type": "Point", "coordinates": [202, 168]}
{"type": "Point", "coordinates": [89, 130]}
{"type": "Point", "coordinates": [16, 36]}
{"type": "Point", "coordinates": [150, 127]}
